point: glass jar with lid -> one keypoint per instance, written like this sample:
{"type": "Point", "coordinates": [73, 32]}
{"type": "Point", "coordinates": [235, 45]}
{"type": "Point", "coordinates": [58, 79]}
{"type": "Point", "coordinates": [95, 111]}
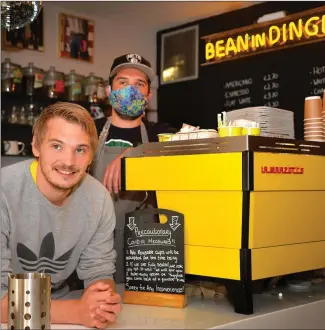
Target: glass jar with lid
{"type": "Point", "coordinates": [82, 79]}
{"type": "Point", "coordinates": [32, 79]}
{"type": "Point", "coordinates": [91, 85]}
{"type": "Point", "coordinates": [73, 86]}
{"type": "Point", "coordinates": [54, 83]}
{"type": "Point", "coordinates": [102, 91]}
{"type": "Point", "coordinates": [11, 76]}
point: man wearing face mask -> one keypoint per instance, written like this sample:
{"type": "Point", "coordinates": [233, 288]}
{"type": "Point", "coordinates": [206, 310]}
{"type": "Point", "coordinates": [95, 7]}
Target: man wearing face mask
{"type": "Point", "coordinates": [129, 94]}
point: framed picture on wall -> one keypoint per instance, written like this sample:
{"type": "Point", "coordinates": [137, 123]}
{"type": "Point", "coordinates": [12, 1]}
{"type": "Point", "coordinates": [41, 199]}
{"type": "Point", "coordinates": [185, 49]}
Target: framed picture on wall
{"type": "Point", "coordinates": [30, 36]}
{"type": "Point", "coordinates": [76, 38]}
{"type": "Point", "coordinates": [180, 55]}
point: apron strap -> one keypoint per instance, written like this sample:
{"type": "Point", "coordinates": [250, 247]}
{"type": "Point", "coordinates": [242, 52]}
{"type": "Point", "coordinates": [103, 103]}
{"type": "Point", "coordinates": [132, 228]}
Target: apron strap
{"type": "Point", "coordinates": [102, 138]}
{"type": "Point", "coordinates": [144, 134]}
{"type": "Point", "coordinates": [104, 133]}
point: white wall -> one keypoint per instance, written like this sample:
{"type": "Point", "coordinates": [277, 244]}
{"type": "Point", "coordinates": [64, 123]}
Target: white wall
{"type": "Point", "coordinates": [113, 37]}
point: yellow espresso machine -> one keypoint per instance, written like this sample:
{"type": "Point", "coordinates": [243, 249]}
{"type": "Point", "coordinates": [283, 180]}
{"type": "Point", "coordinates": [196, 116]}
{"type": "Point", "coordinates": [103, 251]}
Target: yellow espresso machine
{"type": "Point", "coordinates": [254, 207]}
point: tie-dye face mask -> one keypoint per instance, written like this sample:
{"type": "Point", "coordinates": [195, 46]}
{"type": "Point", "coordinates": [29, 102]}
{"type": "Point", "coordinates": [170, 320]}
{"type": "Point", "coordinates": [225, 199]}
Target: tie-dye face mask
{"type": "Point", "coordinates": [128, 101]}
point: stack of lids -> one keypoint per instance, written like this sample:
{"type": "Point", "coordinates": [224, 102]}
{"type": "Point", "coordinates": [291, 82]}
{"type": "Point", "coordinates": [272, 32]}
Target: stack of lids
{"type": "Point", "coordinates": [313, 121]}
{"type": "Point", "coordinates": [272, 121]}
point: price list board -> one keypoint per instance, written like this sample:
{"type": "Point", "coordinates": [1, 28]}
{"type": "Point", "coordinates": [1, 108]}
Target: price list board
{"type": "Point", "coordinates": [280, 79]}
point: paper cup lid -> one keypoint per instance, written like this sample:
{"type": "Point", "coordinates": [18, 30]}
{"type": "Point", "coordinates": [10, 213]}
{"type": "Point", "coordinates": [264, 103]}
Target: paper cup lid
{"type": "Point", "coordinates": [312, 97]}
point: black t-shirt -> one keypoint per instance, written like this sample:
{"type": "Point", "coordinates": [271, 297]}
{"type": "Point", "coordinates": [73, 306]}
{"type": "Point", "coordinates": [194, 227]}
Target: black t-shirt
{"type": "Point", "coordinates": [131, 137]}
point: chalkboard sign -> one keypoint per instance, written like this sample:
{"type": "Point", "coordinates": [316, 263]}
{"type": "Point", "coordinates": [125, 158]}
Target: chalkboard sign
{"type": "Point", "coordinates": [154, 252]}
{"type": "Point", "coordinates": [277, 84]}
{"type": "Point", "coordinates": [280, 80]}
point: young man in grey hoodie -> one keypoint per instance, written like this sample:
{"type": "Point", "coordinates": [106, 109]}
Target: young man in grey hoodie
{"type": "Point", "coordinates": [57, 219]}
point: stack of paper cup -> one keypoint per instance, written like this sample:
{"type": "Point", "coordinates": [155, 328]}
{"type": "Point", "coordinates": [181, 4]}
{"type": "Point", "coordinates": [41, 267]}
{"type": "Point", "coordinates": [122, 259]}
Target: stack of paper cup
{"type": "Point", "coordinates": [313, 121]}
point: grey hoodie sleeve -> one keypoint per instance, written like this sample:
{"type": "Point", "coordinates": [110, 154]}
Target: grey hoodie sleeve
{"type": "Point", "coordinates": [97, 261]}
{"type": "Point", "coordinates": [5, 250]}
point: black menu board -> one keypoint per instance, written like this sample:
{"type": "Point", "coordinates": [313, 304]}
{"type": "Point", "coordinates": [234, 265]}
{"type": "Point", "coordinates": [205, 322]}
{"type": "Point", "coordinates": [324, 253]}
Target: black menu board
{"type": "Point", "coordinates": [238, 93]}
{"type": "Point", "coordinates": [154, 252]}
{"type": "Point", "coordinates": [317, 78]}
{"type": "Point", "coordinates": [280, 79]}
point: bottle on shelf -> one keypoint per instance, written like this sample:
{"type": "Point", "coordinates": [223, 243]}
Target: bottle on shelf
{"type": "Point", "coordinates": [13, 117]}
{"type": "Point", "coordinates": [31, 113]}
{"type": "Point", "coordinates": [23, 118]}
{"type": "Point", "coordinates": [4, 117]}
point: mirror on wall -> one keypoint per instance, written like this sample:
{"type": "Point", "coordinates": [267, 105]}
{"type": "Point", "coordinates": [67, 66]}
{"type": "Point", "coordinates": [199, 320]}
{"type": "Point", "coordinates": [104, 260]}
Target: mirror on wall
{"type": "Point", "coordinates": [179, 55]}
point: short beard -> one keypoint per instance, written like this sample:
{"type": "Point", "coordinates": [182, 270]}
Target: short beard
{"type": "Point", "coordinates": [127, 117]}
{"type": "Point", "coordinates": [58, 187]}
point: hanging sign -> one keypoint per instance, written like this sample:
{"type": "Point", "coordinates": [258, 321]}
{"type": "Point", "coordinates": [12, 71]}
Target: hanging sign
{"type": "Point", "coordinates": [294, 30]}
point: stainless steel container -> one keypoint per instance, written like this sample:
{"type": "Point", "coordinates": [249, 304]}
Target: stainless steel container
{"type": "Point", "coordinates": [29, 301]}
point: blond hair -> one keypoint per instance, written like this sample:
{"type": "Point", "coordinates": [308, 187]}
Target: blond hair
{"type": "Point", "coordinates": [72, 113]}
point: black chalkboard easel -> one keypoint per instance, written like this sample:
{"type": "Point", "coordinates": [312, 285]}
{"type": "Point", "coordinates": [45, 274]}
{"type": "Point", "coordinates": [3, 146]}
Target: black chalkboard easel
{"type": "Point", "coordinates": [154, 259]}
